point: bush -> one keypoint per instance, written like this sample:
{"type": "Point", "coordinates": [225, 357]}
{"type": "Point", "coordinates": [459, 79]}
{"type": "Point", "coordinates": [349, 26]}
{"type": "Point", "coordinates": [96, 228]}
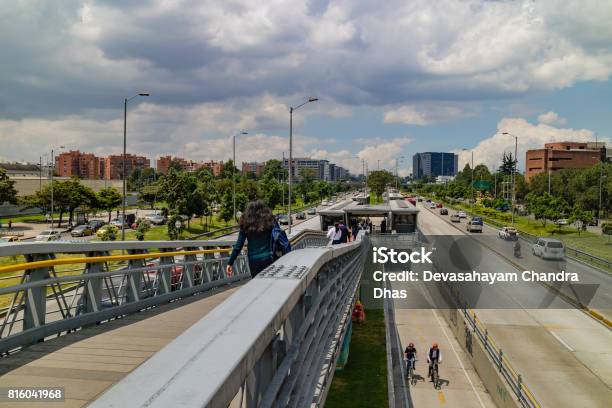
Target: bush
{"type": "Point", "coordinates": [143, 227]}
{"type": "Point", "coordinates": [109, 234]}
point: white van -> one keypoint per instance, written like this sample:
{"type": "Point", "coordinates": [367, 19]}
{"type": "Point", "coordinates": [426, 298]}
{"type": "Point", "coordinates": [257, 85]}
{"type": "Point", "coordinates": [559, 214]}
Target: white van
{"type": "Point", "coordinates": [548, 248]}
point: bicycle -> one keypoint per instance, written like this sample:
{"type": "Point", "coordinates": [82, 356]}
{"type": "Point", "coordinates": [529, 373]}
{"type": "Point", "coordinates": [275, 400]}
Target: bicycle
{"type": "Point", "coordinates": [411, 364]}
{"type": "Point", "coordinates": [434, 375]}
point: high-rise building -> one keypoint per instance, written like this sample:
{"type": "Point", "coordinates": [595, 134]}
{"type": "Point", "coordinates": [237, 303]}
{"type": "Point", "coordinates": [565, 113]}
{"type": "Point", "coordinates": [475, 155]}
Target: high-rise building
{"type": "Point", "coordinates": [433, 164]}
{"type": "Point", "coordinates": [77, 164]}
{"type": "Point", "coordinates": [562, 155]}
{"type": "Point", "coordinates": [113, 165]}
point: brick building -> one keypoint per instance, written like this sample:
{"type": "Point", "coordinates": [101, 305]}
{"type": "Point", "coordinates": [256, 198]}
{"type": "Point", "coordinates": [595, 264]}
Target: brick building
{"type": "Point", "coordinates": [254, 168]}
{"type": "Point", "coordinates": [562, 155]}
{"type": "Point", "coordinates": [77, 164]}
{"type": "Point", "coordinates": [113, 165]}
{"type": "Point", "coordinates": [163, 164]}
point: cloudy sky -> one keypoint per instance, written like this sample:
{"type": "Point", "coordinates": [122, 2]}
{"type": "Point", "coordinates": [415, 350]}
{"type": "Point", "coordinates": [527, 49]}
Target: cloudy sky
{"type": "Point", "coordinates": [393, 77]}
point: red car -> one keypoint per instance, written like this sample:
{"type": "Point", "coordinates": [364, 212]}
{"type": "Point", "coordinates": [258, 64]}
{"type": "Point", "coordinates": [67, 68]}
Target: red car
{"type": "Point", "coordinates": [439, 205]}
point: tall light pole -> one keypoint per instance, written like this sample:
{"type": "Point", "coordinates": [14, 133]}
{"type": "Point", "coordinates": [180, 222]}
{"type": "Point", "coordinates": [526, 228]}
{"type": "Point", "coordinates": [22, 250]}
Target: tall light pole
{"type": "Point", "coordinates": [291, 109]}
{"type": "Point", "coordinates": [601, 167]}
{"type": "Point", "coordinates": [514, 173]}
{"type": "Point", "coordinates": [53, 171]}
{"type": "Point", "coordinates": [234, 169]}
{"type": "Point", "coordinates": [472, 184]}
{"type": "Point", "coordinates": [123, 175]}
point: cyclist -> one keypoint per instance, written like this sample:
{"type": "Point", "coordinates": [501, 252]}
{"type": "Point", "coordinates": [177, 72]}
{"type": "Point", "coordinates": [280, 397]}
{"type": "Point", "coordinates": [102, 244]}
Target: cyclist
{"type": "Point", "coordinates": [434, 357]}
{"type": "Point", "coordinates": [410, 357]}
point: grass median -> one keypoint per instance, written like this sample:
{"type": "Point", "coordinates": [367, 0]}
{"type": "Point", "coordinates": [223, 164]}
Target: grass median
{"type": "Point", "coordinates": [363, 381]}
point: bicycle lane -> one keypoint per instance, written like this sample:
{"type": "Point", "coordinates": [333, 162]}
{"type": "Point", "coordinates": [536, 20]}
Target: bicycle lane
{"type": "Point", "coordinates": [460, 385]}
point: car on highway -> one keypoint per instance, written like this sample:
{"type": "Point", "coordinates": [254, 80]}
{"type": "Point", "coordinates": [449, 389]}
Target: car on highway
{"type": "Point", "coordinates": [439, 205]}
{"type": "Point", "coordinates": [474, 225]}
{"type": "Point", "coordinates": [311, 211]}
{"type": "Point", "coordinates": [117, 222]}
{"type": "Point", "coordinates": [106, 227]}
{"type": "Point", "coordinates": [325, 203]}
{"type": "Point", "coordinates": [462, 214]}
{"type": "Point", "coordinates": [9, 238]}
{"type": "Point", "coordinates": [96, 224]}
{"type": "Point", "coordinates": [300, 216]}
{"type": "Point", "coordinates": [432, 205]}
{"type": "Point", "coordinates": [548, 248]}
{"type": "Point", "coordinates": [283, 219]}
{"type": "Point", "coordinates": [508, 234]}
{"type": "Point", "coordinates": [455, 217]}
{"type": "Point", "coordinates": [443, 211]}
{"type": "Point", "coordinates": [48, 235]}
{"type": "Point", "coordinates": [156, 219]}
{"type": "Point", "coordinates": [82, 230]}
{"type": "Point", "coordinates": [562, 221]}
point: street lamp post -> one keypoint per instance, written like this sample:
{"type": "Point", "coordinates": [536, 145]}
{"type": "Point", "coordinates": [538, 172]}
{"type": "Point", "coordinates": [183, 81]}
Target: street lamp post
{"type": "Point", "coordinates": [234, 170]}
{"type": "Point", "coordinates": [291, 109]}
{"type": "Point", "coordinates": [472, 184]}
{"type": "Point", "coordinates": [123, 175]}
{"type": "Point", "coordinates": [53, 171]}
{"type": "Point", "coordinates": [514, 172]}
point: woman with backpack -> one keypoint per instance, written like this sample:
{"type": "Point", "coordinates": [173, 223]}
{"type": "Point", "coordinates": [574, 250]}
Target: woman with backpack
{"type": "Point", "coordinates": [256, 225]}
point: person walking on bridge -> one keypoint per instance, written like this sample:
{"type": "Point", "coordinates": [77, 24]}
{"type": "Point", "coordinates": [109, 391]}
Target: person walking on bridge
{"type": "Point", "coordinates": [256, 224]}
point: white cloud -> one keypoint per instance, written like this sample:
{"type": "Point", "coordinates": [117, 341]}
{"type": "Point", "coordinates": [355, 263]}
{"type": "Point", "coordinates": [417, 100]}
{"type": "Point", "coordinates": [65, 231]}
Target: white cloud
{"type": "Point", "coordinates": [410, 115]}
{"type": "Point", "coordinates": [551, 118]}
{"type": "Point", "coordinates": [530, 136]}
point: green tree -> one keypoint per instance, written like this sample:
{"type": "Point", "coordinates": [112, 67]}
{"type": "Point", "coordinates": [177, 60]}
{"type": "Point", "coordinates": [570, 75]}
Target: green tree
{"type": "Point", "coordinates": [606, 229]}
{"type": "Point", "coordinates": [274, 169]}
{"type": "Point", "coordinates": [508, 163]}
{"type": "Point", "coordinates": [141, 230]}
{"type": "Point", "coordinates": [148, 194]}
{"type": "Point", "coordinates": [378, 181]}
{"type": "Point", "coordinates": [108, 199]}
{"type": "Point", "coordinates": [579, 216]}
{"type": "Point", "coordinates": [8, 193]}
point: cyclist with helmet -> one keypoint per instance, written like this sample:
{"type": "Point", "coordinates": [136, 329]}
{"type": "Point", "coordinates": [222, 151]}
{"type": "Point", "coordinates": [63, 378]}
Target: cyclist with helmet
{"type": "Point", "coordinates": [434, 357]}
{"type": "Point", "coordinates": [410, 357]}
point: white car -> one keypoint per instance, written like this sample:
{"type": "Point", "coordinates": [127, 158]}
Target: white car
{"type": "Point", "coordinates": [48, 235]}
{"type": "Point", "coordinates": [548, 248]}
{"type": "Point", "coordinates": [508, 233]}
{"type": "Point", "coordinates": [432, 205]}
{"type": "Point", "coordinates": [561, 221]}
{"type": "Point", "coordinates": [474, 226]}
{"type": "Point", "coordinates": [462, 214]}
{"type": "Point", "coordinates": [156, 219]}
{"type": "Point", "coordinates": [325, 203]}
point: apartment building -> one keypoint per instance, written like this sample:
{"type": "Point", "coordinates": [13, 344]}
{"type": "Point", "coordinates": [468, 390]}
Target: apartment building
{"type": "Point", "coordinates": [558, 156]}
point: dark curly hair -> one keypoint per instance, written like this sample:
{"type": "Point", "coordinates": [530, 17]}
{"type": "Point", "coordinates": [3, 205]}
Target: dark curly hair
{"type": "Point", "coordinates": [256, 218]}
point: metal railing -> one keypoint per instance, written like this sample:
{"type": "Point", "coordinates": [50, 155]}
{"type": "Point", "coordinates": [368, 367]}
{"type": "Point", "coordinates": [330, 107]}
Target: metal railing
{"type": "Point", "coordinates": [272, 343]}
{"type": "Point", "coordinates": [66, 285]}
{"type": "Point", "coordinates": [515, 380]}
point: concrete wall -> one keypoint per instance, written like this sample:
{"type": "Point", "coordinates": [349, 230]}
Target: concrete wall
{"type": "Point", "coordinates": [498, 388]}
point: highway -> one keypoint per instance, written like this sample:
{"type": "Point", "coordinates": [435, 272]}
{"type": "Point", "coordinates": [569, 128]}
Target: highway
{"type": "Point", "coordinates": [563, 354]}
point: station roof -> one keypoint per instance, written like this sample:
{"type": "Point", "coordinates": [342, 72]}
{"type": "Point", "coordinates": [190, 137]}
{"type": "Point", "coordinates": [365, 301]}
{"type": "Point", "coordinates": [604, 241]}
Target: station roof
{"type": "Point", "coordinates": [393, 206]}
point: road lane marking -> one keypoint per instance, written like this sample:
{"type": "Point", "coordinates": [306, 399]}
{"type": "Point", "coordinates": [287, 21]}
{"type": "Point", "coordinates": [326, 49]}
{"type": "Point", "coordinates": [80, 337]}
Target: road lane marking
{"type": "Point", "coordinates": [441, 397]}
{"type": "Point", "coordinates": [458, 359]}
{"type": "Point", "coordinates": [567, 346]}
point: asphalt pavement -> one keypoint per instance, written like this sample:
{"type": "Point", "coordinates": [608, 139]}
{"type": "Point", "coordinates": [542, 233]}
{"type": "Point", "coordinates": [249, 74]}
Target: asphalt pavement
{"type": "Point", "coordinates": [563, 354]}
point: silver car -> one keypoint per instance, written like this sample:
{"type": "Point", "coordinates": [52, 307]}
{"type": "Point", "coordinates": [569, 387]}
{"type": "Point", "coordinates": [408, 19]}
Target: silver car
{"type": "Point", "coordinates": [548, 248]}
{"type": "Point", "coordinates": [48, 235]}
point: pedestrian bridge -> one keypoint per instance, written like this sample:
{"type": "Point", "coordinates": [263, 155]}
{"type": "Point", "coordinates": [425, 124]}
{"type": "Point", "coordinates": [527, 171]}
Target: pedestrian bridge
{"type": "Point", "coordinates": [120, 324]}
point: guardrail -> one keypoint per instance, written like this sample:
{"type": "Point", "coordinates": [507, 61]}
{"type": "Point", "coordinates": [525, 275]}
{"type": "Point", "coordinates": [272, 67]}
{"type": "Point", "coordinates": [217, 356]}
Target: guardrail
{"type": "Point", "coordinates": [521, 390]}
{"type": "Point", "coordinates": [272, 343]}
{"type": "Point", "coordinates": [66, 285]}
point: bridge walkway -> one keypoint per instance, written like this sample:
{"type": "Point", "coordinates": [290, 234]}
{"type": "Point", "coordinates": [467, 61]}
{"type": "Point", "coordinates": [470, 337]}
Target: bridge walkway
{"type": "Point", "coordinates": [91, 360]}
